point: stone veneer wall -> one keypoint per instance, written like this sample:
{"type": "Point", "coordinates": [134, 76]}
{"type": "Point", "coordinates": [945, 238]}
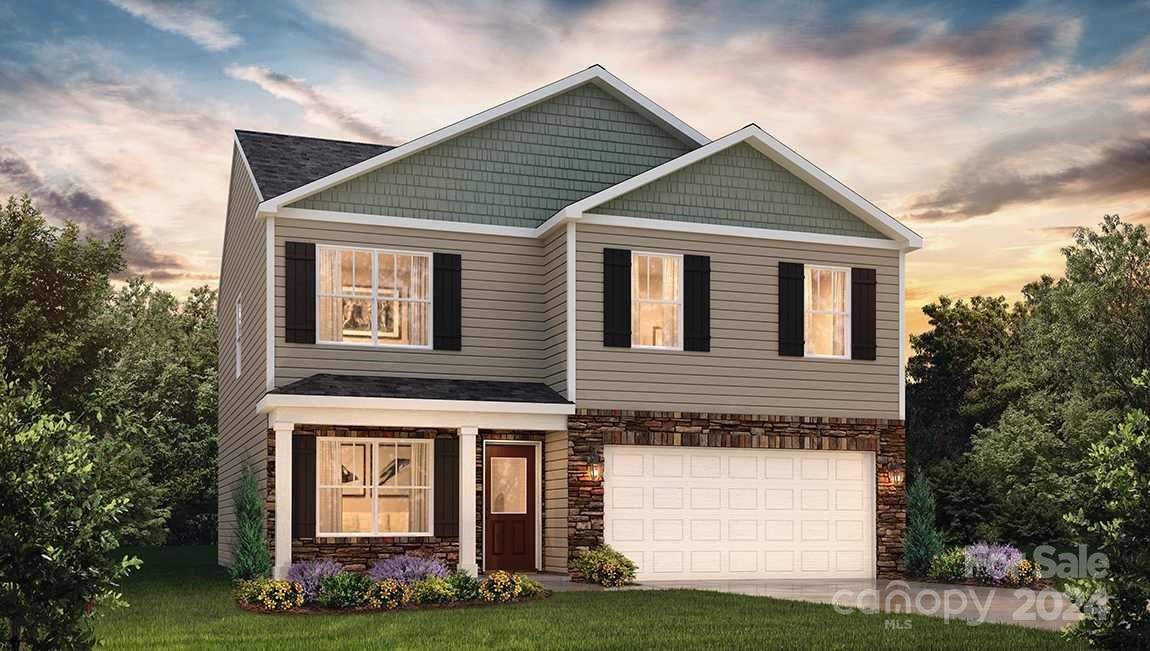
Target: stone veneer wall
{"type": "Point", "coordinates": [359, 553]}
{"type": "Point", "coordinates": [590, 430]}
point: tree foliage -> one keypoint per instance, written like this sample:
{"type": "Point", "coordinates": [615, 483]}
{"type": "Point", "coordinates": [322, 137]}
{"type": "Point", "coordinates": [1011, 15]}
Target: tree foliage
{"type": "Point", "coordinates": [922, 542]}
{"type": "Point", "coordinates": [62, 519]}
{"type": "Point", "coordinates": [250, 556]}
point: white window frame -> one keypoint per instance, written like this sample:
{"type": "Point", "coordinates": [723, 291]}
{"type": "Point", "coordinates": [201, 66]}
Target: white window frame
{"type": "Point", "coordinates": [679, 303]}
{"type": "Point", "coordinates": [374, 490]}
{"type": "Point", "coordinates": [238, 317]}
{"type": "Point", "coordinates": [846, 310]}
{"type": "Point", "coordinates": [375, 343]}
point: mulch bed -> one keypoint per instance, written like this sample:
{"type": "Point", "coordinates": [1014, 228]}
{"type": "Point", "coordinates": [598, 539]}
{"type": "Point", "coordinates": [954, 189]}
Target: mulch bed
{"type": "Point", "coordinates": [1039, 586]}
{"type": "Point", "coordinates": [323, 610]}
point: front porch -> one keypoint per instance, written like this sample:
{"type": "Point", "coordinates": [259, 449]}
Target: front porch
{"type": "Point", "coordinates": [475, 482]}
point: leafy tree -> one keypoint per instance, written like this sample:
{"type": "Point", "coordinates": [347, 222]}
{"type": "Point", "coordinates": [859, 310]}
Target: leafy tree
{"type": "Point", "coordinates": [1114, 520]}
{"type": "Point", "coordinates": [250, 557]}
{"type": "Point", "coordinates": [921, 543]}
{"type": "Point", "coordinates": [61, 519]}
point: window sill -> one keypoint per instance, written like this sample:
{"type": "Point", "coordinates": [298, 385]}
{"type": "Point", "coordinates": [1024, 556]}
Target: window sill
{"type": "Point", "coordinates": [373, 536]}
{"type": "Point", "coordinates": [658, 349]}
{"type": "Point", "coordinates": [344, 344]}
{"type": "Point", "coordinates": [831, 358]}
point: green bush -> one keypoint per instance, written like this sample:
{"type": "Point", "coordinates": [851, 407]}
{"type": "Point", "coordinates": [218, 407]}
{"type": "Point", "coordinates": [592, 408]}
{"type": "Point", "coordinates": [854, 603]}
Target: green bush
{"type": "Point", "coordinates": [344, 590]}
{"type": "Point", "coordinates": [529, 588]}
{"type": "Point", "coordinates": [432, 590]}
{"type": "Point", "coordinates": [500, 586]}
{"type": "Point", "coordinates": [605, 566]}
{"type": "Point", "coordinates": [250, 557]}
{"type": "Point", "coordinates": [272, 594]}
{"type": "Point", "coordinates": [464, 586]}
{"type": "Point", "coordinates": [949, 565]}
{"type": "Point", "coordinates": [388, 594]}
{"type": "Point", "coordinates": [922, 542]}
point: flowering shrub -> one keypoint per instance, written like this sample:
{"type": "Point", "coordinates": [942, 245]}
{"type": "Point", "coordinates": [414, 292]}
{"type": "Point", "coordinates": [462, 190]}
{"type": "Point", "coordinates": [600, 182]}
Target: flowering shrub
{"type": "Point", "coordinates": [310, 573]}
{"type": "Point", "coordinates": [464, 586]}
{"type": "Point", "coordinates": [432, 590]}
{"type": "Point", "coordinates": [271, 594]}
{"type": "Point", "coordinates": [991, 563]}
{"type": "Point", "coordinates": [344, 590]}
{"type": "Point", "coordinates": [605, 566]}
{"type": "Point", "coordinates": [500, 586]}
{"type": "Point", "coordinates": [949, 565]}
{"type": "Point", "coordinates": [1024, 574]}
{"type": "Point", "coordinates": [388, 594]}
{"type": "Point", "coordinates": [407, 569]}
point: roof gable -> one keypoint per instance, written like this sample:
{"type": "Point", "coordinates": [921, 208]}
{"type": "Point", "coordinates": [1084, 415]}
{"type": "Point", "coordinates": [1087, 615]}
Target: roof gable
{"type": "Point", "coordinates": [516, 171]}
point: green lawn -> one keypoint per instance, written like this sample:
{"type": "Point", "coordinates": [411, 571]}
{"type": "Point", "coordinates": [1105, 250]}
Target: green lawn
{"type": "Point", "coordinates": [181, 599]}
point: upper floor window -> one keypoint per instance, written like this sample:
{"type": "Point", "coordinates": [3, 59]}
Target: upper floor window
{"type": "Point", "coordinates": [239, 319]}
{"type": "Point", "coordinates": [373, 297]}
{"type": "Point", "coordinates": [374, 487]}
{"type": "Point", "coordinates": [827, 312]}
{"type": "Point", "coordinates": [656, 300]}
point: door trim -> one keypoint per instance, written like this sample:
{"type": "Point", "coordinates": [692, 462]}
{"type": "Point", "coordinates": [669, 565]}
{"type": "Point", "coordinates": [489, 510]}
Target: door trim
{"type": "Point", "coordinates": [538, 498]}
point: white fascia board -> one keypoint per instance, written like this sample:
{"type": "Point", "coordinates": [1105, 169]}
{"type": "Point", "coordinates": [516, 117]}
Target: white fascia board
{"type": "Point", "coordinates": [357, 417]}
{"type": "Point", "coordinates": [595, 74]}
{"type": "Point", "coordinates": [404, 222]}
{"type": "Point", "coordinates": [247, 166]}
{"type": "Point", "coordinates": [740, 231]}
{"type": "Point", "coordinates": [276, 400]}
{"type": "Point", "coordinates": [781, 154]}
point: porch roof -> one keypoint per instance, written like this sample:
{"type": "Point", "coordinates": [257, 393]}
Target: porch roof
{"type": "Point", "coordinates": [368, 386]}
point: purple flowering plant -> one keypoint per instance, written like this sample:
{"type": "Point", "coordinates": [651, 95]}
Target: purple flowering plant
{"type": "Point", "coordinates": [991, 563]}
{"type": "Point", "coordinates": [407, 568]}
{"type": "Point", "coordinates": [310, 573]}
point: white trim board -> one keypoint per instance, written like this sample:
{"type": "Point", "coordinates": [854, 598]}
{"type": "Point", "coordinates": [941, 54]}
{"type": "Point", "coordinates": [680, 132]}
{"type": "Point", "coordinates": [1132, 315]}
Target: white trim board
{"type": "Point", "coordinates": [779, 153]}
{"type": "Point", "coordinates": [251, 176]}
{"type": "Point", "coordinates": [595, 74]}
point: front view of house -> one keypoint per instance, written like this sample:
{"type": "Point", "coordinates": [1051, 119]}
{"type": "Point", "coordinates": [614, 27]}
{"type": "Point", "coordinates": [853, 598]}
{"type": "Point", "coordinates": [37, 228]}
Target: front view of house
{"type": "Point", "coordinates": [565, 321]}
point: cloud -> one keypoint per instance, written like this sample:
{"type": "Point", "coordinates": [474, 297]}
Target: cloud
{"type": "Point", "coordinates": [93, 213]}
{"type": "Point", "coordinates": [1120, 169]}
{"type": "Point", "coordinates": [312, 100]}
{"type": "Point", "coordinates": [188, 18]}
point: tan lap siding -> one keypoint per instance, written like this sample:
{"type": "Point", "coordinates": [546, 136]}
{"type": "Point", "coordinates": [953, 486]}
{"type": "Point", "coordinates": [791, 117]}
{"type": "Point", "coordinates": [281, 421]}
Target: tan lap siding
{"type": "Point", "coordinates": [503, 314]}
{"type": "Point", "coordinates": [555, 305]}
{"type": "Point", "coordinates": [242, 431]}
{"type": "Point", "coordinates": [555, 502]}
{"type": "Point", "coordinates": [743, 372]}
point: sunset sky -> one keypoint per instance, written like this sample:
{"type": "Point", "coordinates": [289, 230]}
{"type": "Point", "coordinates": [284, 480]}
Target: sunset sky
{"type": "Point", "coordinates": [991, 130]}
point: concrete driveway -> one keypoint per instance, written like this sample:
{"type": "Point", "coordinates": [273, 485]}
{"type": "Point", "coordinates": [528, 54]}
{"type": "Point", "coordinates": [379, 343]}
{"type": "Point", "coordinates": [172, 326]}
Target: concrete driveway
{"type": "Point", "coordinates": [1048, 609]}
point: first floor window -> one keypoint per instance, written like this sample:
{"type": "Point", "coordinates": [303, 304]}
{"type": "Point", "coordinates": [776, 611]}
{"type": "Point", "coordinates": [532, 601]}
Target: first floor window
{"type": "Point", "coordinates": [656, 300]}
{"type": "Point", "coordinates": [827, 315]}
{"type": "Point", "coordinates": [369, 296]}
{"type": "Point", "coordinates": [374, 487]}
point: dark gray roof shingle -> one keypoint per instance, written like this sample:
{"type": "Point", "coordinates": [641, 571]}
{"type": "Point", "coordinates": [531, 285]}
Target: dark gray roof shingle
{"type": "Point", "coordinates": [282, 163]}
{"type": "Point", "coordinates": [365, 386]}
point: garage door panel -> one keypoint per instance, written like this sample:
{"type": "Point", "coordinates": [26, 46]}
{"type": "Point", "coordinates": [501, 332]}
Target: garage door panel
{"type": "Point", "coordinates": [699, 513]}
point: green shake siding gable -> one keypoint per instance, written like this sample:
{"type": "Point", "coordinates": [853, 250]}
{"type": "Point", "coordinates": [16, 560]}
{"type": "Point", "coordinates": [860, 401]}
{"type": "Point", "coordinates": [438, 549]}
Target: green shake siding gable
{"type": "Point", "coordinates": [517, 171]}
{"type": "Point", "coordinates": [738, 186]}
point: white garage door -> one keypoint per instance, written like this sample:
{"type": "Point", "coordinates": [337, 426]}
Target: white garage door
{"type": "Point", "coordinates": [707, 513]}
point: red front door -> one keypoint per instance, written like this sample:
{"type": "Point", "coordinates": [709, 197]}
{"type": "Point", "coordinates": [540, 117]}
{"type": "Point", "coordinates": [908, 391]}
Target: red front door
{"type": "Point", "coordinates": [509, 507]}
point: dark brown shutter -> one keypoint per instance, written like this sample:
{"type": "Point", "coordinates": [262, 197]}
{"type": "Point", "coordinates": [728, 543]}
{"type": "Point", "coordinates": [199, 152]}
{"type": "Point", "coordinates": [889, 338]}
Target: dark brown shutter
{"type": "Point", "coordinates": [446, 487]}
{"type": "Point", "coordinates": [697, 303]}
{"type": "Point", "coordinates": [303, 487]}
{"type": "Point", "coordinates": [791, 336]}
{"type": "Point", "coordinates": [617, 298]}
{"type": "Point", "coordinates": [299, 292]}
{"type": "Point", "coordinates": [447, 301]}
{"type": "Point", "coordinates": [863, 313]}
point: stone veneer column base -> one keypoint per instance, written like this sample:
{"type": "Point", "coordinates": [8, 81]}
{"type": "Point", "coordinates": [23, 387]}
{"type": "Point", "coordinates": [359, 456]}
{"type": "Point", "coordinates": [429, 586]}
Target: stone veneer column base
{"type": "Point", "coordinates": [589, 430]}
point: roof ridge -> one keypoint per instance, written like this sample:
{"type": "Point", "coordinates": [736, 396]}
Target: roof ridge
{"type": "Point", "coordinates": [292, 135]}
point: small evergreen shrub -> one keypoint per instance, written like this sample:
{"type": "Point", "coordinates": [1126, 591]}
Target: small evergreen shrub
{"type": "Point", "coordinates": [407, 568]}
{"type": "Point", "coordinates": [605, 566]}
{"type": "Point", "coordinates": [272, 594]}
{"type": "Point", "coordinates": [432, 590]}
{"type": "Point", "coordinates": [529, 588]}
{"type": "Point", "coordinates": [464, 586]}
{"type": "Point", "coordinates": [388, 594]}
{"type": "Point", "coordinates": [344, 590]}
{"type": "Point", "coordinates": [310, 573]}
{"type": "Point", "coordinates": [500, 586]}
{"type": "Point", "coordinates": [949, 565]}
{"type": "Point", "coordinates": [921, 542]}
{"type": "Point", "coordinates": [250, 556]}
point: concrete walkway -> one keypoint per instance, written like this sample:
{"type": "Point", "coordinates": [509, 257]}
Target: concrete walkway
{"type": "Point", "coordinates": [1047, 609]}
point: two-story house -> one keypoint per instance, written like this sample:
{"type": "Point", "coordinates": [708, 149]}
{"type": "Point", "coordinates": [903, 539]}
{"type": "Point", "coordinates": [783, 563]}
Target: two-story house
{"type": "Point", "coordinates": [568, 320]}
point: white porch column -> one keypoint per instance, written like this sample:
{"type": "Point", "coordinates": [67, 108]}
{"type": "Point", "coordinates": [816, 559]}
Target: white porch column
{"type": "Point", "coordinates": [467, 436]}
{"type": "Point", "coordinates": [283, 498]}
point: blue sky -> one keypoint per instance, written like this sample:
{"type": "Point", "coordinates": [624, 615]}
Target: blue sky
{"type": "Point", "coordinates": [991, 128]}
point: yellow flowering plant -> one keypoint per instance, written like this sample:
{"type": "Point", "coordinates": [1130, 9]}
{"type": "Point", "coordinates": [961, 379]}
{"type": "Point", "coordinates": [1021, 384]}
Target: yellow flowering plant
{"type": "Point", "coordinates": [270, 594]}
{"type": "Point", "coordinates": [388, 594]}
{"type": "Point", "coordinates": [500, 586]}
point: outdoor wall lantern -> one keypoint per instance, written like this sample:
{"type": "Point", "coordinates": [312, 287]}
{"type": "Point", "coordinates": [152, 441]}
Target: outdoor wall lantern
{"type": "Point", "coordinates": [595, 466]}
{"type": "Point", "coordinates": [896, 475]}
